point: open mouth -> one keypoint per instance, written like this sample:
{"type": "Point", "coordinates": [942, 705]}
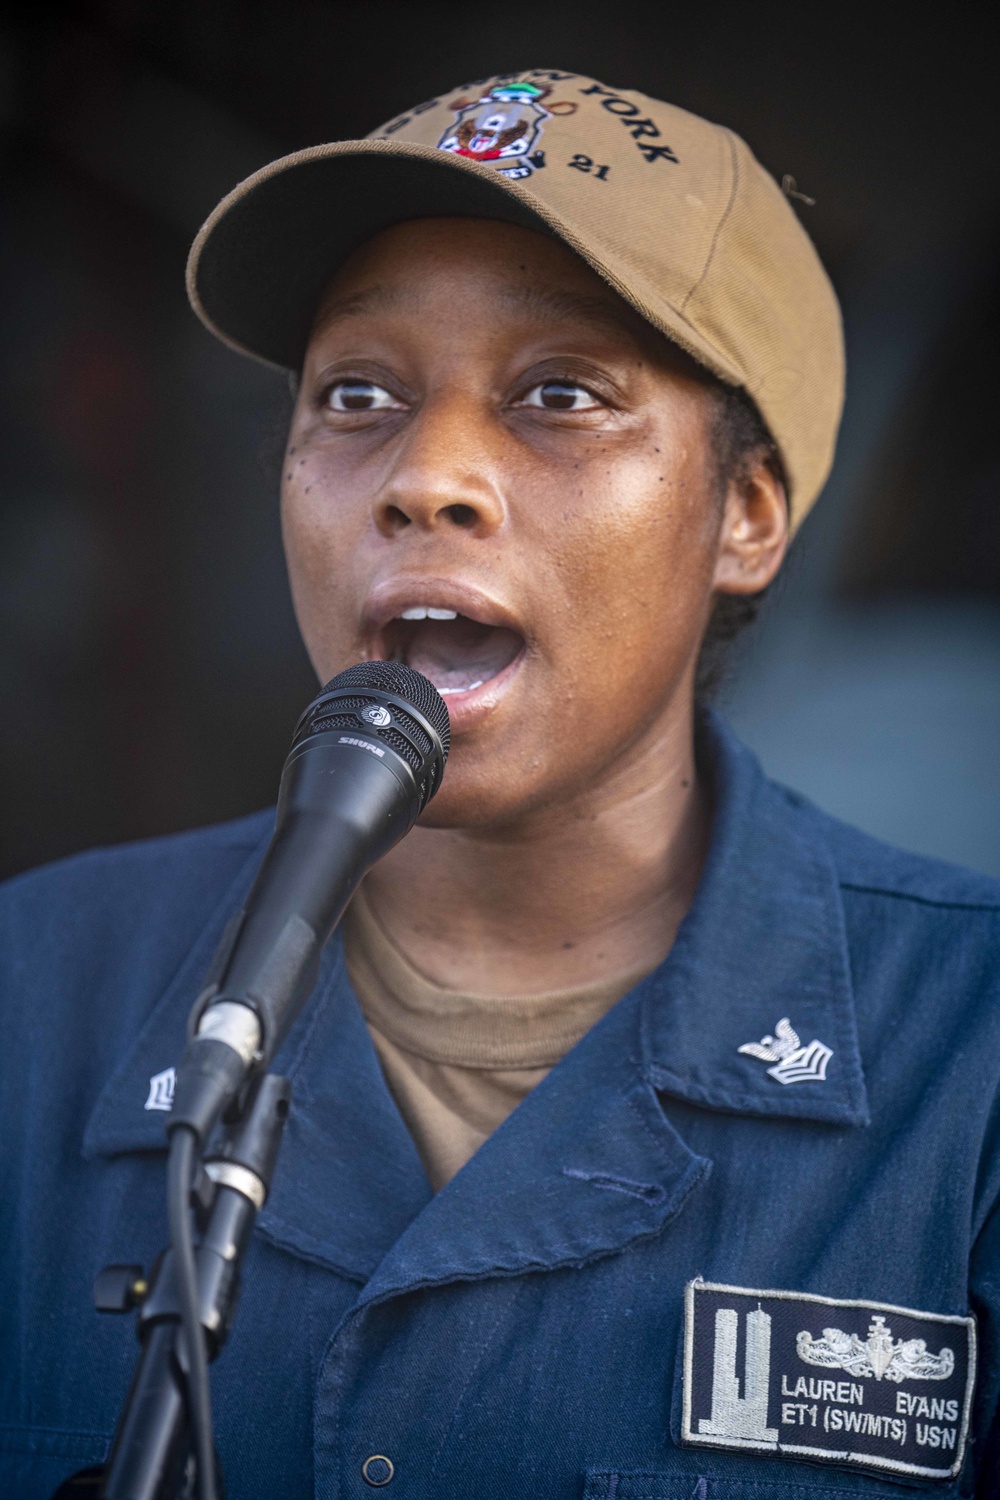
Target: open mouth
{"type": "Point", "coordinates": [456, 653]}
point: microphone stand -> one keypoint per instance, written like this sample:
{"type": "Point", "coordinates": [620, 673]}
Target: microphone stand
{"type": "Point", "coordinates": [345, 799]}
{"type": "Point", "coordinates": [152, 1456]}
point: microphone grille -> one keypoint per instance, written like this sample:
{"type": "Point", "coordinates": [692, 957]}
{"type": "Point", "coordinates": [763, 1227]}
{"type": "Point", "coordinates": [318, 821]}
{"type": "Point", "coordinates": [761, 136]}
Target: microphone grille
{"type": "Point", "coordinates": [395, 677]}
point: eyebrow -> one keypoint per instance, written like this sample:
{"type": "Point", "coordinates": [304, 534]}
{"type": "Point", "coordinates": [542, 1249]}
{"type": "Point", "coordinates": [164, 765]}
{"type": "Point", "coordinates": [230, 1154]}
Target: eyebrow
{"type": "Point", "coordinates": [336, 309]}
{"type": "Point", "coordinates": [547, 302]}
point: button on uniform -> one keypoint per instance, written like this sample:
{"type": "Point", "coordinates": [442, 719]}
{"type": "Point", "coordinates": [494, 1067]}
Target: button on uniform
{"type": "Point", "coordinates": [377, 1470]}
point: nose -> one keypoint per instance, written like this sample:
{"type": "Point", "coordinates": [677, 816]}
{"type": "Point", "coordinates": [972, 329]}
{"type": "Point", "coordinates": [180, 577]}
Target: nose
{"type": "Point", "coordinates": [445, 473]}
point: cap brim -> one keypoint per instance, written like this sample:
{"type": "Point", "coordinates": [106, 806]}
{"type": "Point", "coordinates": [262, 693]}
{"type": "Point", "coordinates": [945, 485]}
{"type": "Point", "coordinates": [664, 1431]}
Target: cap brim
{"type": "Point", "coordinates": [260, 264]}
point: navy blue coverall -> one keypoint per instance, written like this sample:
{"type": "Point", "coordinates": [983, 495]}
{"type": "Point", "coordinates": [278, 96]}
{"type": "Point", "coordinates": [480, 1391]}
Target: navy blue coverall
{"type": "Point", "coordinates": [679, 1269]}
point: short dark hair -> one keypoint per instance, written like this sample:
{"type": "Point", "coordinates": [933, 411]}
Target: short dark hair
{"type": "Point", "coordinates": [740, 440]}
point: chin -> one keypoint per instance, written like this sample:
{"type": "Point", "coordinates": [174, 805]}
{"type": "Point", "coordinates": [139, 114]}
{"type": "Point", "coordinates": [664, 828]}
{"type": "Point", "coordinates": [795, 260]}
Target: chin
{"type": "Point", "coordinates": [473, 800]}
{"type": "Point", "coordinates": [486, 785]}
{"type": "Point", "coordinates": [499, 781]}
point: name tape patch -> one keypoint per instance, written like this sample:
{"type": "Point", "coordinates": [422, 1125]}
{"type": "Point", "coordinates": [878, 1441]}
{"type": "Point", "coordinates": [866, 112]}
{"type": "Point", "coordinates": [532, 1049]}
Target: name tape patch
{"type": "Point", "coordinates": [864, 1384]}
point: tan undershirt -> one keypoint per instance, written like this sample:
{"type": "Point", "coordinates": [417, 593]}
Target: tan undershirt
{"type": "Point", "coordinates": [458, 1064]}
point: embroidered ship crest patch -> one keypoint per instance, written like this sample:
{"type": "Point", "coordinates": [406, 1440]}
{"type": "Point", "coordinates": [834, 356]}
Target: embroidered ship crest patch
{"type": "Point", "coordinates": [502, 128]}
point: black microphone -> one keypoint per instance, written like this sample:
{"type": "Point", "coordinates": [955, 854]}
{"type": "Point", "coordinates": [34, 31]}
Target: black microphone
{"type": "Point", "coordinates": [367, 756]}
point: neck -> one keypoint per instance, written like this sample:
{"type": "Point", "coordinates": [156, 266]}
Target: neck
{"type": "Point", "coordinates": [592, 887]}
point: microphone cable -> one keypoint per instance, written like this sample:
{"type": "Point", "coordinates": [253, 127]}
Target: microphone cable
{"type": "Point", "coordinates": [180, 1180]}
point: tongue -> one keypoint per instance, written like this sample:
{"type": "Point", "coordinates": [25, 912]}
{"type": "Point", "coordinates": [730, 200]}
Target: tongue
{"type": "Point", "coordinates": [458, 655]}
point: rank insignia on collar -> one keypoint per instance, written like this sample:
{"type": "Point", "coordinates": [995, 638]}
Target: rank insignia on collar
{"type": "Point", "coordinates": [161, 1090]}
{"type": "Point", "coordinates": [896, 1399]}
{"type": "Point", "coordinates": [793, 1063]}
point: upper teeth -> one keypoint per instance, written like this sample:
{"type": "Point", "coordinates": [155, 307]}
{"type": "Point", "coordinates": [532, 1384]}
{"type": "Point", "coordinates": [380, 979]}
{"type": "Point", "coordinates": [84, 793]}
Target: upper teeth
{"type": "Point", "coordinates": [420, 612]}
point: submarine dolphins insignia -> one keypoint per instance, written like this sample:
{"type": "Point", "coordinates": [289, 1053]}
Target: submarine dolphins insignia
{"type": "Point", "coordinates": [793, 1063]}
{"type": "Point", "coordinates": [878, 1354]}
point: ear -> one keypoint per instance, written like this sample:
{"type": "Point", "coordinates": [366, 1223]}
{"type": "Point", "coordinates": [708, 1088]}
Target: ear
{"type": "Point", "coordinates": [754, 534]}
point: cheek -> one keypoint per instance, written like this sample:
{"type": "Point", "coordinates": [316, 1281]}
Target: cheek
{"type": "Point", "coordinates": [635, 559]}
{"type": "Point", "coordinates": [626, 567]}
{"type": "Point", "coordinates": [319, 541]}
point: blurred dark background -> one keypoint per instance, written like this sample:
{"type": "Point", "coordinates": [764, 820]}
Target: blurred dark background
{"type": "Point", "coordinates": [149, 664]}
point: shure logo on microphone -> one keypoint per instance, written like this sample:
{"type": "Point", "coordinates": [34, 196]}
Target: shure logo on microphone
{"type": "Point", "coordinates": [347, 739]}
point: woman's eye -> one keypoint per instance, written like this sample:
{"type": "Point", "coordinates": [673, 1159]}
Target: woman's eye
{"type": "Point", "coordinates": [561, 395]}
{"type": "Point", "coordinates": [358, 395]}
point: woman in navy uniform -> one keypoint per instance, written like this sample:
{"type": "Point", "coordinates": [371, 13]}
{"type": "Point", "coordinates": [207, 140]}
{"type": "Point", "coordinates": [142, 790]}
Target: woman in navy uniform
{"type": "Point", "coordinates": [644, 1132]}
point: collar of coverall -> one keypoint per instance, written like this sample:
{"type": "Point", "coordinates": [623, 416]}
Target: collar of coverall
{"type": "Point", "coordinates": [764, 940]}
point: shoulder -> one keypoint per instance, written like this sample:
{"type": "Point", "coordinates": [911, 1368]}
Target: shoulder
{"type": "Point", "coordinates": [922, 937]}
{"type": "Point", "coordinates": [130, 872]}
{"type": "Point", "coordinates": [115, 922]}
{"type": "Point", "coordinates": [869, 867]}
{"type": "Point", "coordinates": [786, 832]}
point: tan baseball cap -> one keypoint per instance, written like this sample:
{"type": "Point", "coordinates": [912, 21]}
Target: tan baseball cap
{"type": "Point", "coordinates": [674, 212]}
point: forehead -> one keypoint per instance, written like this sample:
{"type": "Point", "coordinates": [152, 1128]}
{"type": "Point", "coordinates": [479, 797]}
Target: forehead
{"type": "Point", "coordinates": [411, 266]}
